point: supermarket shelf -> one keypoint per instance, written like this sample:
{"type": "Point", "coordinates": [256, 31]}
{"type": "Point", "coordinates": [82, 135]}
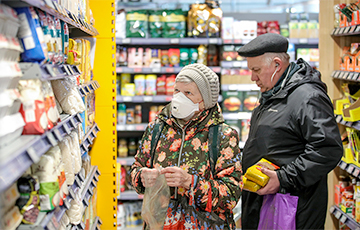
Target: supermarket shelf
{"type": "Point", "coordinates": [346, 31]}
{"type": "Point", "coordinates": [164, 70]}
{"type": "Point", "coordinates": [354, 125]}
{"type": "Point", "coordinates": [90, 184]}
{"type": "Point", "coordinates": [88, 139]}
{"type": "Point", "coordinates": [234, 64]}
{"type": "Point", "coordinates": [132, 127]}
{"type": "Point", "coordinates": [304, 41]}
{"type": "Point", "coordinates": [237, 116]}
{"type": "Point", "coordinates": [142, 99]}
{"type": "Point", "coordinates": [346, 219]}
{"type": "Point", "coordinates": [168, 41]}
{"type": "Point", "coordinates": [130, 195]}
{"type": "Point", "coordinates": [95, 225]}
{"type": "Point", "coordinates": [125, 161]}
{"type": "Point", "coordinates": [47, 71]}
{"type": "Point", "coordinates": [88, 88]}
{"type": "Point", "coordinates": [346, 75]}
{"type": "Point", "coordinates": [239, 87]}
{"type": "Point", "coordinates": [17, 157]}
{"type": "Point", "coordinates": [350, 168]}
{"type": "Point", "coordinates": [51, 7]}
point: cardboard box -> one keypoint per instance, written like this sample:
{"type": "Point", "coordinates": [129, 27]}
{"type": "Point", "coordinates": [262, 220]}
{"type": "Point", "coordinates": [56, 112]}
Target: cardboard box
{"type": "Point", "coordinates": [231, 101]}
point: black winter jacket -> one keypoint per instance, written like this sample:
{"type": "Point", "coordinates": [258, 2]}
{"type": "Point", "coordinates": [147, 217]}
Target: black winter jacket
{"type": "Point", "coordinates": [296, 130]}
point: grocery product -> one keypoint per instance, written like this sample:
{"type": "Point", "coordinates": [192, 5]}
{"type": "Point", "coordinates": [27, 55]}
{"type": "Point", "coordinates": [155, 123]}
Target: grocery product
{"type": "Point", "coordinates": [174, 57]}
{"type": "Point", "coordinates": [136, 24]}
{"type": "Point", "coordinates": [174, 25]}
{"type": "Point", "coordinates": [138, 114]}
{"type": "Point", "coordinates": [139, 80]}
{"type": "Point", "coordinates": [170, 82]}
{"type": "Point", "coordinates": [155, 23]}
{"type": "Point", "coordinates": [121, 114]}
{"type": "Point", "coordinates": [150, 84]}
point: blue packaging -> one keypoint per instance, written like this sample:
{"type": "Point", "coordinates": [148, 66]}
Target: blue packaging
{"type": "Point", "coordinates": [31, 36]}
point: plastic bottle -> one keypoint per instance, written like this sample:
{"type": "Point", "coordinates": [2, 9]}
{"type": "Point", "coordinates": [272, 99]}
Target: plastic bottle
{"type": "Point", "coordinates": [132, 147]}
{"type": "Point", "coordinates": [123, 148]}
{"type": "Point", "coordinates": [138, 114]}
{"type": "Point", "coordinates": [121, 114]}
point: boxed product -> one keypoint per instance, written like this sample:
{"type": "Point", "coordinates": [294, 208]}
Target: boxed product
{"type": "Point", "coordinates": [155, 60]}
{"type": "Point", "coordinates": [170, 82]}
{"type": "Point", "coordinates": [147, 57]}
{"type": "Point", "coordinates": [231, 101]}
{"type": "Point", "coordinates": [31, 36]}
{"type": "Point", "coordinates": [174, 57]}
{"type": "Point", "coordinates": [135, 57]}
{"type": "Point", "coordinates": [227, 28]}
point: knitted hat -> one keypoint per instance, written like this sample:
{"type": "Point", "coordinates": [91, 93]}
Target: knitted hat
{"type": "Point", "coordinates": [206, 80]}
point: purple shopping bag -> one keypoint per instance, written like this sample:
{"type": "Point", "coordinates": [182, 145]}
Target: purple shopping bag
{"type": "Point", "coordinates": [278, 211]}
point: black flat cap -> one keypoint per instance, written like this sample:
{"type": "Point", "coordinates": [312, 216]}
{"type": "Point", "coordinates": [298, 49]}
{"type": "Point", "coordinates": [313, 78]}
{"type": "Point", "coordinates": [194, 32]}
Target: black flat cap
{"type": "Point", "coordinates": [265, 43]}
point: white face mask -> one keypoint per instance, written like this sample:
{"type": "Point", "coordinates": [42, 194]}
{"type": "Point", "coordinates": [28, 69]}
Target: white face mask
{"type": "Point", "coordinates": [182, 107]}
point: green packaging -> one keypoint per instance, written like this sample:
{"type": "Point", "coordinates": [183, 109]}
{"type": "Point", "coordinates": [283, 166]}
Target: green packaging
{"type": "Point", "coordinates": [155, 23]}
{"type": "Point", "coordinates": [136, 24]}
{"type": "Point", "coordinates": [174, 24]}
{"type": "Point", "coordinates": [193, 55]}
{"type": "Point", "coordinates": [184, 56]}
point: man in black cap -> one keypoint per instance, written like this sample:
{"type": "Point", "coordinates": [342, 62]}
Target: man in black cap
{"type": "Point", "coordinates": [293, 127]}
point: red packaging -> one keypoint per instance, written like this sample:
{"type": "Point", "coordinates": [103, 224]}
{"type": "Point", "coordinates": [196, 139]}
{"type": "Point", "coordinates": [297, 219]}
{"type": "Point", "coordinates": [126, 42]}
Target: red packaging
{"type": "Point", "coordinates": [34, 116]}
{"type": "Point", "coordinates": [161, 85]}
{"type": "Point", "coordinates": [174, 57]}
{"type": "Point", "coordinates": [170, 81]}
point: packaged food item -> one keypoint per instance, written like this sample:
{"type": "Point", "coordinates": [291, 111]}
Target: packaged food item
{"type": "Point", "coordinates": [146, 57]}
{"type": "Point", "coordinates": [174, 24]}
{"type": "Point", "coordinates": [11, 219]}
{"type": "Point", "coordinates": [9, 21]}
{"type": "Point", "coordinates": [8, 199]}
{"type": "Point", "coordinates": [130, 116]}
{"type": "Point", "coordinates": [75, 151]}
{"type": "Point", "coordinates": [73, 54]}
{"type": "Point", "coordinates": [67, 159]}
{"type": "Point", "coordinates": [50, 105]}
{"type": "Point", "coordinates": [33, 107]}
{"type": "Point", "coordinates": [155, 61]}
{"type": "Point", "coordinates": [122, 149]}
{"type": "Point", "coordinates": [250, 100]}
{"type": "Point", "coordinates": [65, 40]}
{"type": "Point", "coordinates": [121, 114]}
{"type": "Point", "coordinates": [138, 114]}
{"type": "Point", "coordinates": [253, 174]}
{"type": "Point", "coordinates": [161, 85]}
{"type": "Point", "coordinates": [28, 202]}
{"type": "Point", "coordinates": [136, 24]}
{"type": "Point", "coordinates": [165, 58]}
{"type": "Point", "coordinates": [212, 56]}
{"type": "Point", "coordinates": [135, 57]}
{"type": "Point", "coordinates": [132, 147]}
{"type": "Point", "coordinates": [120, 24]}
{"type": "Point", "coordinates": [11, 127]}
{"type": "Point", "coordinates": [121, 59]}
{"type": "Point", "coordinates": [150, 84]}
{"type": "Point", "coordinates": [75, 212]}
{"type": "Point", "coordinates": [31, 36]}
{"type": "Point", "coordinates": [152, 113]}
{"type": "Point", "coordinates": [46, 171]}
{"type": "Point", "coordinates": [10, 49]}
{"type": "Point", "coordinates": [184, 56]}
{"type": "Point", "coordinates": [231, 101]}
{"type": "Point", "coordinates": [139, 80]}
{"type": "Point", "coordinates": [68, 96]}
{"type": "Point", "coordinates": [198, 16]}
{"type": "Point", "coordinates": [83, 48]}
{"type": "Point", "coordinates": [155, 23]}
{"type": "Point", "coordinates": [214, 20]}
{"type": "Point", "coordinates": [174, 57]}
{"type": "Point", "coordinates": [124, 79]}
{"type": "Point", "coordinates": [128, 90]}
{"type": "Point", "coordinates": [193, 55]}
{"type": "Point", "coordinates": [202, 54]}
{"type": "Point", "coordinates": [170, 82]}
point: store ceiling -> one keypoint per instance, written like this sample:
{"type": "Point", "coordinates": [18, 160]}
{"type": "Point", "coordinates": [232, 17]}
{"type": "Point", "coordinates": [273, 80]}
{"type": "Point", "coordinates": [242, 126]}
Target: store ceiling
{"type": "Point", "coordinates": [245, 6]}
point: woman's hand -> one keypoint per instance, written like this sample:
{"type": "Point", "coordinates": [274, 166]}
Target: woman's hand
{"type": "Point", "coordinates": [148, 176]}
{"type": "Point", "coordinates": [177, 177]}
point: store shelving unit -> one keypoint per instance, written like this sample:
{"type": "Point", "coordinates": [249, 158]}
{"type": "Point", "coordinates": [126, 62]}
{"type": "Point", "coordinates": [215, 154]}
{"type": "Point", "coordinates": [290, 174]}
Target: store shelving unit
{"type": "Point", "coordinates": [89, 138]}
{"type": "Point", "coordinates": [88, 88]}
{"type": "Point", "coordinates": [96, 224]}
{"type": "Point", "coordinates": [163, 70]}
{"type": "Point", "coordinates": [48, 71]}
{"type": "Point", "coordinates": [331, 42]}
{"type": "Point", "coordinates": [354, 125]}
{"type": "Point", "coordinates": [17, 157]}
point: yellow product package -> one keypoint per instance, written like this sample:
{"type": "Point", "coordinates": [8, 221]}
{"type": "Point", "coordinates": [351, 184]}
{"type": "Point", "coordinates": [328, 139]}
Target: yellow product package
{"type": "Point", "coordinates": [254, 172]}
{"type": "Point", "coordinates": [250, 185]}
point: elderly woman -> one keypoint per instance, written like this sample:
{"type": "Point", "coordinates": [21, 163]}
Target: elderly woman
{"type": "Point", "coordinates": [183, 151]}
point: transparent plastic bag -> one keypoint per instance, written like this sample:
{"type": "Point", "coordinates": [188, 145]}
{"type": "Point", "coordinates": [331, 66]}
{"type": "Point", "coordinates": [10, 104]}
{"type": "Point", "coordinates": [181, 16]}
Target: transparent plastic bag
{"type": "Point", "coordinates": [155, 203]}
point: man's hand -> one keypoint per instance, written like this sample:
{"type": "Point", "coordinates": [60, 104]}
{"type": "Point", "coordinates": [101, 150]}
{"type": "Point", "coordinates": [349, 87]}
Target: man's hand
{"type": "Point", "coordinates": [272, 186]}
{"type": "Point", "coordinates": [177, 177]}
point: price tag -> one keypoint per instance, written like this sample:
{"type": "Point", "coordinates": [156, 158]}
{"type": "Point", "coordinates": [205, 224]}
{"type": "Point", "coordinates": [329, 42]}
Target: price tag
{"type": "Point", "coordinates": [236, 63]}
{"type": "Point", "coordinates": [156, 70]}
{"type": "Point", "coordinates": [342, 165]}
{"type": "Point", "coordinates": [213, 41]}
{"type": "Point", "coordinates": [341, 74]}
{"type": "Point", "coordinates": [338, 118]}
{"type": "Point", "coordinates": [127, 99]}
{"type": "Point", "coordinates": [245, 41]}
{"type": "Point", "coordinates": [50, 70]}
{"type": "Point", "coordinates": [32, 154]}
{"type": "Point", "coordinates": [333, 73]}
{"type": "Point", "coordinates": [77, 69]}
{"type": "Point", "coordinates": [337, 215]}
{"type": "Point", "coordinates": [357, 29]}
{"type": "Point", "coordinates": [229, 41]}
{"type": "Point", "coordinates": [67, 130]}
{"type": "Point", "coordinates": [352, 29]}
{"type": "Point", "coordinates": [337, 74]}
{"type": "Point", "coordinates": [237, 41]}
{"type": "Point", "coordinates": [343, 218]}
{"type": "Point", "coordinates": [130, 127]}
{"type": "Point", "coordinates": [356, 172]}
{"type": "Point", "coordinates": [174, 41]}
{"type": "Point", "coordinates": [333, 32]}
{"type": "Point", "coordinates": [350, 76]}
{"type": "Point", "coordinates": [148, 98]}
{"type": "Point", "coordinates": [303, 41]}
{"type": "Point", "coordinates": [169, 70]}
{"type": "Point", "coordinates": [350, 169]}
{"type": "Point", "coordinates": [66, 70]}
{"type": "Point", "coordinates": [139, 128]}
{"type": "Point", "coordinates": [168, 99]}
{"type": "Point", "coordinates": [137, 70]}
{"type": "Point", "coordinates": [355, 76]}
{"type": "Point", "coordinates": [51, 138]}
{"type": "Point", "coordinates": [126, 41]}
{"type": "Point", "coordinates": [119, 69]}
{"type": "Point", "coordinates": [57, 134]}
{"type": "Point", "coordinates": [346, 74]}
{"type": "Point", "coordinates": [342, 30]}
{"type": "Point", "coordinates": [71, 70]}
{"type": "Point", "coordinates": [216, 69]}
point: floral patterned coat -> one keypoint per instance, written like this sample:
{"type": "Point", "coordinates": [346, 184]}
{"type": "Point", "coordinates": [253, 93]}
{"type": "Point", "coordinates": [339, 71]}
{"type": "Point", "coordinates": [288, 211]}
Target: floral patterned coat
{"type": "Point", "coordinates": [223, 188]}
